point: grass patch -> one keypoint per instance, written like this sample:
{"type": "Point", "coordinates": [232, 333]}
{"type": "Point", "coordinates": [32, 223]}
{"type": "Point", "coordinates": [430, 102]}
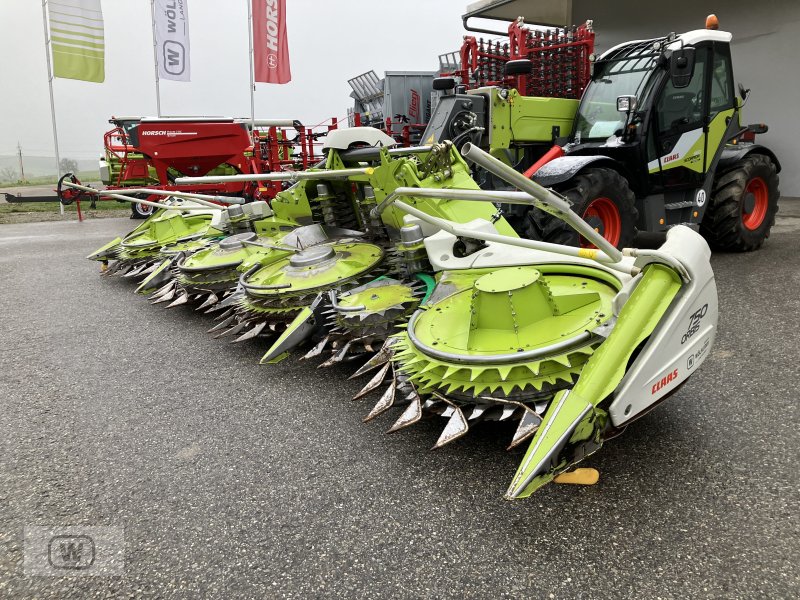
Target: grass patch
{"type": "Point", "coordinates": [48, 180]}
{"type": "Point", "coordinates": [31, 212]}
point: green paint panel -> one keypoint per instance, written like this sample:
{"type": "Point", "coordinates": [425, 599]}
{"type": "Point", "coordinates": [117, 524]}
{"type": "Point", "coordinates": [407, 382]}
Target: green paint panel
{"type": "Point", "coordinates": [601, 376]}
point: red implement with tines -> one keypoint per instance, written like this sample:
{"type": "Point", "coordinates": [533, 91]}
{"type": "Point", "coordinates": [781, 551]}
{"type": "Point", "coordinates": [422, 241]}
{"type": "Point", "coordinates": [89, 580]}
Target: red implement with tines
{"type": "Point", "coordinates": [559, 57]}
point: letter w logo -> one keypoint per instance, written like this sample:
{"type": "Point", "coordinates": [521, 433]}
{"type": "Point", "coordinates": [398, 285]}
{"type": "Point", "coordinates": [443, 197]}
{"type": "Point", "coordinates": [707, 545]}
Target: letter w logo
{"type": "Point", "coordinates": [71, 552]}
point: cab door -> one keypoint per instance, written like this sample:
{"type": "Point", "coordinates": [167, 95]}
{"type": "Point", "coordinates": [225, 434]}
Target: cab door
{"type": "Point", "coordinates": [677, 148]}
{"type": "Point", "coordinates": [721, 100]}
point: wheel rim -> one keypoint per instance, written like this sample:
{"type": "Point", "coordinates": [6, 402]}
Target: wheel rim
{"type": "Point", "coordinates": [758, 188]}
{"type": "Point", "coordinates": [603, 215]}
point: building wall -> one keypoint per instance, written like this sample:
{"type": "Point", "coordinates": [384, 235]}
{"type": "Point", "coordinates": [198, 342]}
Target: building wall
{"type": "Point", "coordinates": [766, 56]}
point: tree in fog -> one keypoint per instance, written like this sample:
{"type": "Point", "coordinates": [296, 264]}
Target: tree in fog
{"type": "Point", "coordinates": [69, 165]}
{"type": "Point", "coordinates": [9, 174]}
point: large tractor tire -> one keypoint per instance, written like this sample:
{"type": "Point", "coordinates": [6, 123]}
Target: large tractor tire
{"type": "Point", "coordinates": [602, 197]}
{"type": "Point", "coordinates": [743, 205]}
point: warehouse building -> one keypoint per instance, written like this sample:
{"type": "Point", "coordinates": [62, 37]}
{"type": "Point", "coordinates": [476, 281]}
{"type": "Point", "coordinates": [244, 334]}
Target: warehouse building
{"type": "Point", "coordinates": [765, 49]}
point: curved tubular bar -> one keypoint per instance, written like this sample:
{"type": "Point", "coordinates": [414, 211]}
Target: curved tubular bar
{"type": "Point", "coordinates": [460, 231]}
{"type": "Point", "coordinates": [557, 205]}
{"type": "Point", "coordinates": [579, 340]}
{"type": "Point", "coordinates": [281, 176]}
{"type": "Point", "coordinates": [456, 194]}
{"type": "Point", "coordinates": [191, 195]}
{"type": "Point", "coordinates": [335, 305]}
{"type": "Point", "coordinates": [145, 202]}
{"type": "Point", "coordinates": [250, 286]}
{"type": "Point", "coordinates": [374, 153]}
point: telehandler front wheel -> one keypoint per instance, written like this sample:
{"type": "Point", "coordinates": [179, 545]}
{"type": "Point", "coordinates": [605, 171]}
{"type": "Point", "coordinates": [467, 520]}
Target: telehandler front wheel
{"type": "Point", "coordinates": [602, 197]}
{"type": "Point", "coordinates": [743, 205]}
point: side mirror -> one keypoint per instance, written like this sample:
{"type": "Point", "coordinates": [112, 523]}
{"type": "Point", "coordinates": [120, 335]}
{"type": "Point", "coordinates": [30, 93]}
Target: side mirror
{"type": "Point", "coordinates": [681, 67]}
{"type": "Point", "coordinates": [743, 93]}
{"type": "Point", "coordinates": [522, 66]}
{"type": "Point", "coordinates": [626, 104]}
{"type": "Point", "coordinates": [444, 84]}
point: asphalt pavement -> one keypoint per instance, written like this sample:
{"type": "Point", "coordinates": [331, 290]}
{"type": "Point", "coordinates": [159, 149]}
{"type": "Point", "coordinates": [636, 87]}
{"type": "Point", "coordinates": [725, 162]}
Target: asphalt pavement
{"type": "Point", "coordinates": [234, 480]}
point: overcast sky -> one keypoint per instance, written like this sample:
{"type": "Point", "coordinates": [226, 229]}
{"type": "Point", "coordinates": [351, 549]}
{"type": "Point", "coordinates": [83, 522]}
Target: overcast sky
{"type": "Point", "coordinates": [330, 41]}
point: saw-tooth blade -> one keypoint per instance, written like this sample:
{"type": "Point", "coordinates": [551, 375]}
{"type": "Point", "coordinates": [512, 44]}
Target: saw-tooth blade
{"type": "Point", "coordinates": [337, 357]}
{"type": "Point", "coordinates": [251, 333]}
{"type": "Point", "coordinates": [477, 412]}
{"type": "Point", "coordinates": [507, 412]}
{"type": "Point", "coordinates": [385, 403]}
{"type": "Point", "coordinates": [233, 330]}
{"type": "Point", "coordinates": [384, 356]}
{"type": "Point", "coordinates": [162, 290]}
{"type": "Point", "coordinates": [149, 269]}
{"type": "Point", "coordinates": [225, 315]}
{"type": "Point", "coordinates": [231, 299]}
{"type": "Point", "coordinates": [430, 403]}
{"type": "Point", "coordinates": [528, 425]}
{"type": "Point", "coordinates": [411, 415]}
{"type": "Point", "coordinates": [374, 382]}
{"type": "Point", "coordinates": [456, 427]}
{"type": "Point", "coordinates": [182, 299]}
{"type": "Point", "coordinates": [165, 297]}
{"type": "Point", "coordinates": [222, 324]}
{"type": "Point", "coordinates": [211, 300]}
{"type": "Point", "coordinates": [317, 350]}
{"type": "Point", "coordinates": [113, 267]}
{"type": "Point", "coordinates": [134, 271]}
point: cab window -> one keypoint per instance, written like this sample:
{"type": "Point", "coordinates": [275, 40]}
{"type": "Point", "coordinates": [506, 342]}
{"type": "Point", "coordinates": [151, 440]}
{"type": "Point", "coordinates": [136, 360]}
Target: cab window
{"type": "Point", "coordinates": [722, 95]}
{"type": "Point", "coordinates": [682, 108]}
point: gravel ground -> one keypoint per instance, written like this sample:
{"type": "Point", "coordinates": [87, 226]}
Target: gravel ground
{"type": "Point", "coordinates": [232, 479]}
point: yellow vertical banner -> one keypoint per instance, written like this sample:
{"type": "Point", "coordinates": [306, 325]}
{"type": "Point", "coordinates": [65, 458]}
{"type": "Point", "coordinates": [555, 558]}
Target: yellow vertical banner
{"type": "Point", "coordinates": [77, 39]}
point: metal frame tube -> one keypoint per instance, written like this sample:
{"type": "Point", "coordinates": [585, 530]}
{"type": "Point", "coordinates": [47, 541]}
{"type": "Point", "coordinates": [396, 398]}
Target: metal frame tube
{"type": "Point", "coordinates": [204, 199]}
{"type": "Point", "coordinates": [293, 123]}
{"type": "Point", "coordinates": [457, 194]}
{"type": "Point", "coordinates": [282, 176]}
{"type": "Point", "coordinates": [145, 202]}
{"type": "Point", "coordinates": [374, 153]}
{"type": "Point", "coordinates": [455, 229]}
{"type": "Point", "coordinates": [557, 205]}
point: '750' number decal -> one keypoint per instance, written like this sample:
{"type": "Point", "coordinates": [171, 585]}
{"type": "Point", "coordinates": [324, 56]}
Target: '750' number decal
{"type": "Point", "coordinates": [694, 323]}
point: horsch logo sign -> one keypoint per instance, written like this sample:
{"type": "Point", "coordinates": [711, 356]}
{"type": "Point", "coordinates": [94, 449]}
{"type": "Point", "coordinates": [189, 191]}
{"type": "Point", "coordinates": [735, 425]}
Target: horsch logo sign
{"type": "Point", "coordinates": [271, 48]}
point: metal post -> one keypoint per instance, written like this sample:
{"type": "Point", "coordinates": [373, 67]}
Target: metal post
{"type": "Point", "coordinates": [155, 55]}
{"type": "Point", "coordinates": [21, 164]}
{"type": "Point", "coordinates": [50, 84]}
{"type": "Point", "coordinates": [252, 68]}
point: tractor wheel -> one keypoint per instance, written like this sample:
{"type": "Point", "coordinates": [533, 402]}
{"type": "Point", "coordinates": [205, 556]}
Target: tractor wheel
{"type": "Point", "coordinates": [602, 197]}
{"type": "Point", "coordinates": [743, 206]}
{"type": "Point", "coordinates": [141, 211]}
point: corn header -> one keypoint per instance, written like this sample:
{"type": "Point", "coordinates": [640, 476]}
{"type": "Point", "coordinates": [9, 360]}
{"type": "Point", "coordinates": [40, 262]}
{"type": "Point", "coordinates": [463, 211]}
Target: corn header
{"type": "Point", "coordinates": [393, 257]}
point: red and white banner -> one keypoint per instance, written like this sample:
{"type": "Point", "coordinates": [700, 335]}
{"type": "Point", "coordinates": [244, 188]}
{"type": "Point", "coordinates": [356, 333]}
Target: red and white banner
{"type": "Point", "coordinates": [270, 43]}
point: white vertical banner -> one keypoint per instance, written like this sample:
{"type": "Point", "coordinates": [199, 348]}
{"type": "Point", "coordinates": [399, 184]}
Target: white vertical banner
{"type": "Point", "coordinates": [171, 22]}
